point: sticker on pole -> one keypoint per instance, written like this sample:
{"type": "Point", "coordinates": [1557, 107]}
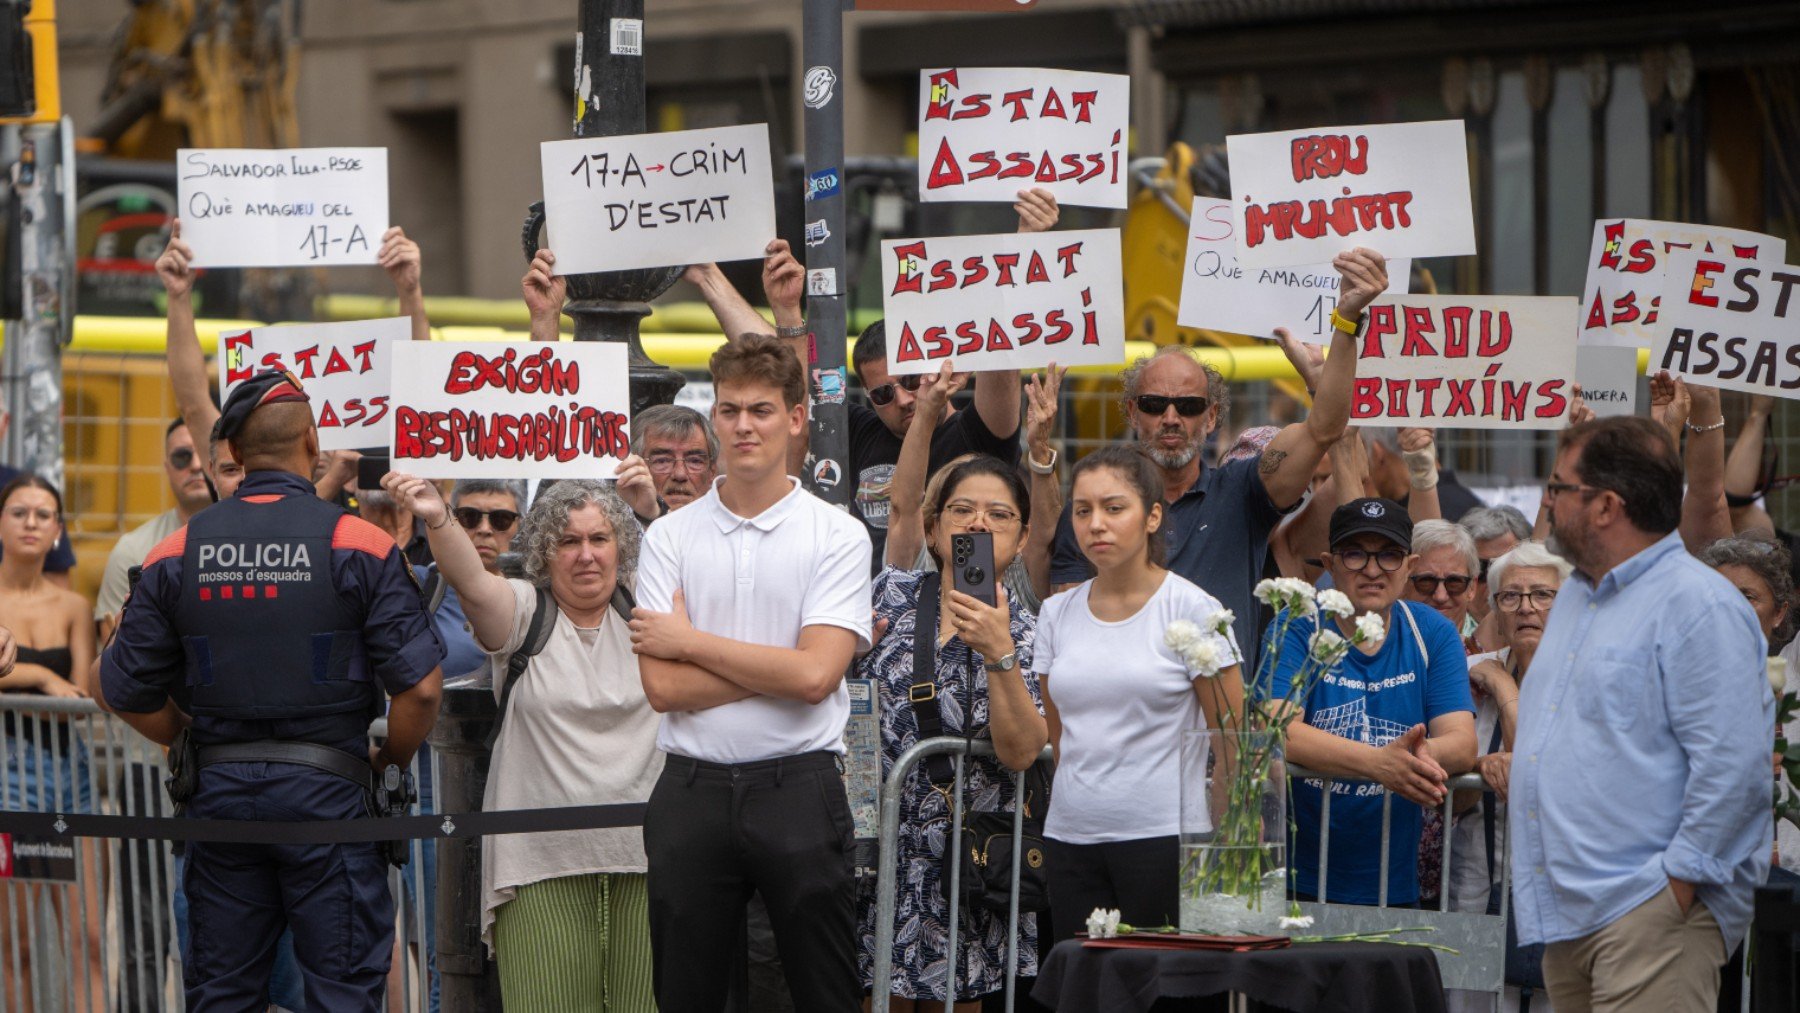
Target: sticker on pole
{"type": "Point", "coordinates": [986, 133]}
{"type": "Point", "coordinates": [282, 207]}
{"type": "Point", "coordinates": [819, 85]}
{"type": "Point", "coordinates": [343, 366]}
{"type": "Point", "coordinates": [1304, 196]}
{"type": "Point", "coordinates": [1624, 286]}
{"type": "Point", "coordinates": [1465, 362]}
{"type": "Point", "coordinates": [658, 200]}
{"type": "Point", "coordinates": [1730, 322]}
{"type": "Point", "coordinates": [1004, 301]}
{"type": "Point", "coordinates": [1217, 293]}
{"type": "Point", "coordinates": [529, 410]}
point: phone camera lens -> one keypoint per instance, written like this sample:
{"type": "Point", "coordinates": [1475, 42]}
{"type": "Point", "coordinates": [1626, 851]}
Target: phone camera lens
{"type": "Point", "coordinates": [974, 575]}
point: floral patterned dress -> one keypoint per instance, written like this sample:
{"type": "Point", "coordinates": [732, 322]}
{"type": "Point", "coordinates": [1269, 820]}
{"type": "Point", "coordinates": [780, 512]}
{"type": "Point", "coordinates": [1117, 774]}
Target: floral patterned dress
{"type": "Point", "coordinates": [921, 912]}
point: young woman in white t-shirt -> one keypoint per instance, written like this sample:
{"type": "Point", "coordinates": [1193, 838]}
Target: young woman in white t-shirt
{"type": "Point", "coordinates": [1118, 701]}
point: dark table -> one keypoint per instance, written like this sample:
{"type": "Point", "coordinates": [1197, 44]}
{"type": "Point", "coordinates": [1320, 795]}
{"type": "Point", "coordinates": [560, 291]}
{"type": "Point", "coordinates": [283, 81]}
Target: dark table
{"type": "Point", "coordinates": [1306, 978]}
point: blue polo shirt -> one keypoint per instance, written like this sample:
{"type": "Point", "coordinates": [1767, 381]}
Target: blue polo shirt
{"type": "Point", "coordinates": [1218, 535]}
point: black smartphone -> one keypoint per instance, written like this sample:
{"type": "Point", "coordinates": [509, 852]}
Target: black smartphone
{"type": "Point", "coordinates": [972, 565]}
{"type": "Point", "coordinates": [371, 470]}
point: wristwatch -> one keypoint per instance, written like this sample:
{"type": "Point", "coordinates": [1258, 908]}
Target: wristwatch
{"type": "Point", "coordinates": [1005, 663]}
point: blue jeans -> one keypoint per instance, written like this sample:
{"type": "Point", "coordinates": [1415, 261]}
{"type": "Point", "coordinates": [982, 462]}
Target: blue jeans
{"type": "Point", "coordinates": [47, 772]}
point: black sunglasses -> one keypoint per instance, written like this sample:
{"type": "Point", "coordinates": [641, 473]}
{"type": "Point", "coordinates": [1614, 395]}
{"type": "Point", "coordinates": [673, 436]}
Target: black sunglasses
{"type": "Point", "coordinates": [501, 520]}
{"type": "Point", "coordinates": [1388, 560]}
{"type": "Point", "coordinates": [1427, 584]}
{"type": "Point", "coordinates": [1156, 404]}
{"type": "Point", "coordinates": [884, 394]}
{"type": "Point", "coordinates": [181, 458]}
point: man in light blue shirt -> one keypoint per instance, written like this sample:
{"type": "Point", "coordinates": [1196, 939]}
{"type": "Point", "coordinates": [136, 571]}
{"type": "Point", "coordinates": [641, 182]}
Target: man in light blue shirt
{"type": "Point", "coordinates": [1640, 777]}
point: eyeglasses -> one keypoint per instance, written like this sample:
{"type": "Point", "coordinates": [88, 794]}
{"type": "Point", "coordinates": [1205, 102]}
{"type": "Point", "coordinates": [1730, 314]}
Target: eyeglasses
{"type": "Point", "coordinates": [1427, 585]}
{"type": "Point", "coordinates": [1513, 601]}
{"type": "Point", "coordinates": [1156, 404]}
{"type": "Point", "coordinates": [1555, 489]}
{"type": "Point", "coordinates": [181, 458]}
{"type": "Point", "coordinates": [664, 462]}
{"type": "Point", "coordinates": [998, 517]}
{"type": "Point", "coordinates": [1388, 560]}
{"type": "Point", "coordinates": [500, 520]}
{"type": "Point", "coordinates": [884, 394]}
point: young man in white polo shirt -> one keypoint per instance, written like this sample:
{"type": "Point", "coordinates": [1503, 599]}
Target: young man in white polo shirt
{"type": "Point", "coordinates": [753, 601]}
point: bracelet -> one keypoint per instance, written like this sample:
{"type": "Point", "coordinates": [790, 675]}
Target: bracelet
{"type": "Point", "coordinates": [1042, 469]}
{"type": "Point", "coordinates": [447, 519]}
{"type": "Point", "coordinates": [1344, 323]}
{"type": "Point", "coordinates": [1706, 429]}
{"type": "Point", "coordinates": [800, 331]}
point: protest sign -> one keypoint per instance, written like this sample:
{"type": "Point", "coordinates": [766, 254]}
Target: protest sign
{"type": "Point", "coordinates": [1007, 301]}
{"type": "Point", "coordinates": [1625, 273]}
{"type": "Point", "coordinates": [488, 410]}
{"type": "Point", "coordinates": [1608, 378]}
{"type": "Point", "coordinates": [1465, 362]}
{"type": "Point", "coordinates": [985, 133]}
{"type": "Point", "coordinates": [657, 200]}
{"type": "Point", "coordinates": [282, 207]}
{"type": "Point", "coordinates": [1730, 322]}
{"type": "Point", "coordinates": [1304, 196]}
{"type": "Point", "coordinates": [1219, 294]}
{"type": "Point", "coordinates": [343, 366]}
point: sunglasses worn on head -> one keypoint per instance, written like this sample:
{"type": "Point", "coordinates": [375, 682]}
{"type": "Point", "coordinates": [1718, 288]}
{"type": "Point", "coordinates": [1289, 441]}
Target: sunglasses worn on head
{"type": "Point", "coordinates": [884, 394]}
{"type": "Point", "coordinates": [181, 458]}
{"type": "Point", "coordinates": [501, 520]}
{"type": "Point", "coordinates": [1156, 404]}
{"type": "Point", "coordinates": [1427, 585]}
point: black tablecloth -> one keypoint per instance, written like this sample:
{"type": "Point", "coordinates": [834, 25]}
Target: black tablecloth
{"type": "Point", "coordinates": [1307, 978]}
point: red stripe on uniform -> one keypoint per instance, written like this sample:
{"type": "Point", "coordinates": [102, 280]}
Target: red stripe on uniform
{"type": "Point", "coordinates": [173, 545]}
{"type": "Point", "coordinates": [264, 498]}
{"type": "Point", "coordinates": [358, 534]}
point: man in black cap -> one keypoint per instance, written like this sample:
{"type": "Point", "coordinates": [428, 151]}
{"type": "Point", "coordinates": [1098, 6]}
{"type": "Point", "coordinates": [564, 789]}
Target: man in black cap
{"type": "Point", "coordinates": [278, 620]}
{"type": "Point", "coordinates": [1396, 715]}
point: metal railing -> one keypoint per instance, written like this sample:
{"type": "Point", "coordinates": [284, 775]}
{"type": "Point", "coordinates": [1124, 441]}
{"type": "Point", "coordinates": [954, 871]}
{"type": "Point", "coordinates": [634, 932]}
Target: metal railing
{"type": "Point", "coordinates": [97, 930]}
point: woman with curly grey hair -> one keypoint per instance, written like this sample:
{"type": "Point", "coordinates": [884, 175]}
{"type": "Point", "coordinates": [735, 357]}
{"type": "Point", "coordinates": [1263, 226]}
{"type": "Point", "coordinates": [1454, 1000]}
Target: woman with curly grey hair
{"type": "Point", "coordinates": [565, 913]}
{"type": "Point", "coordinates": [1762, 572]}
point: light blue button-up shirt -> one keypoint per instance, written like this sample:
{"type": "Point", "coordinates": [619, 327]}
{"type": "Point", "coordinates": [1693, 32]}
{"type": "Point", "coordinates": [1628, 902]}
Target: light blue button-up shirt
{"type": "Point", "coordinates": [1645, 727]}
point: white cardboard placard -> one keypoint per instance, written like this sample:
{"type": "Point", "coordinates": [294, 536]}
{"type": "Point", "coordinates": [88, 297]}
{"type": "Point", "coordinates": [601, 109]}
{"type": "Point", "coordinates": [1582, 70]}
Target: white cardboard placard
{"type": "Point", "coordinates": [282, 207]}
{"type": "Point", "coordinates": [1217, 293]}
{"type": "Point", "coordinates": [1003, 301]}
{"type": "Point", "coordinates": [483, 409]}
{"type": "Point", "coordinates": [1465, 362]}
{"type": "Point", "coordinates": [1730, 322]}
{"type": "Point", "coordinates": [1608, 378]}
{"type": "Point", "coordinates": [1620, 297]}
{"type": "Point", "coordinates": [1304, 196]}
{"type": "Point", "coordinates": [345, 368]}
{"type": "Point", "coordinates": [985, 133]}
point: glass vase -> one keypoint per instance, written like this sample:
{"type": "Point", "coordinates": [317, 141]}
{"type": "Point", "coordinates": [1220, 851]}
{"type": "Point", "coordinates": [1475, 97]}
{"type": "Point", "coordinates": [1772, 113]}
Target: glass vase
{"type": "Point", "coordinates": [1233, 833]}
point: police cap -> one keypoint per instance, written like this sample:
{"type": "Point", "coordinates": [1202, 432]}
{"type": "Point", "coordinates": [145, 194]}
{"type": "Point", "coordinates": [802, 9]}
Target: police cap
{"type": "Point", "coordinates": [268, 387]}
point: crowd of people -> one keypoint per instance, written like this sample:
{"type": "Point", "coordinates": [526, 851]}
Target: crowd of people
{"type": "Point", "coordinates": [680, 636]}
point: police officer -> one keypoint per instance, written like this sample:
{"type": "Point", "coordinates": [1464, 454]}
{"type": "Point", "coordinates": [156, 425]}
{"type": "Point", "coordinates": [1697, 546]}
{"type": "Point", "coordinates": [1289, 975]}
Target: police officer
{"type": "Point", "coordinates": [279, 619]}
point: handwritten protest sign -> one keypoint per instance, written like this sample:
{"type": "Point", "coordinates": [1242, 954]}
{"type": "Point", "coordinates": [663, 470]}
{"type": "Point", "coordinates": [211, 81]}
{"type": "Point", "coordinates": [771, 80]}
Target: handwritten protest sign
{"type": "Point", "coordinates": [655, 200]}
{"type": "Point", "coordinates": [1005, 301]}
{"type": "Point", "coordinates": [1219, 294]}
{"type": "Point", "coordinates": [1608, 378]}
{"type": "Point", "coordinates": [1304, 196]}
{"type": "Point", "coordinates": [1465, 362]}
{"type": "Point", "coordinates": [1730, 322]}
{"type": "Point", "coordinates": [282, 207]}
{"type": "Point", "coordinates": [488, 410]}
{"type": "Point", "coordinates": [344, 367]}
{"type": "Point", "coordinates": [985, 133]}
{"type": "Point", "coordinates": [1625, 273]}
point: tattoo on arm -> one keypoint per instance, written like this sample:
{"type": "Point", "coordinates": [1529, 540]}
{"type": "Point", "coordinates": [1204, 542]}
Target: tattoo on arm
{"type": "Point", "coordinates": [1270, 462]}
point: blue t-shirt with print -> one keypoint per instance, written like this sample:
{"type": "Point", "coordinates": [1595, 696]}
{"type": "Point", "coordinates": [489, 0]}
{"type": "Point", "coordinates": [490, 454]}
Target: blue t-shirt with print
{"type": "Point", "coordinates": [1371, 699]}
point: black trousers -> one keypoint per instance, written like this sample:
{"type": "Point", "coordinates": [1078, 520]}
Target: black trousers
{"type": "Point", "coordinates": [714, 833]}
{"type": "Point", "coordinates": [1141, 878]}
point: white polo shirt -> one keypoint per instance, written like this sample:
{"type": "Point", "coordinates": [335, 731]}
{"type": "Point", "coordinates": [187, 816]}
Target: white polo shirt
{"type": "Point", "coordinates": [759, 580]}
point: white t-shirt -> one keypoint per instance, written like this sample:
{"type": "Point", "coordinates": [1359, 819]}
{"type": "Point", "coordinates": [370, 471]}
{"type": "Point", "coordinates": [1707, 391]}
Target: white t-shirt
{"type": "Point", "coordinates": [1125, 700]}
{"type": "Point", "coordinates": [127, 552]}
{"type": "Point", "coordinates": [578, 731]}
{"type": "Point", "coordinates": [759, 580]}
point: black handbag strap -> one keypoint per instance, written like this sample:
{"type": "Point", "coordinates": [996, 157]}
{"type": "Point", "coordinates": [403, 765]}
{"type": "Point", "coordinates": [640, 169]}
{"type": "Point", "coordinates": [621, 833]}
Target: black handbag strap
{"type": "Point", "coordinates": [923, 693]}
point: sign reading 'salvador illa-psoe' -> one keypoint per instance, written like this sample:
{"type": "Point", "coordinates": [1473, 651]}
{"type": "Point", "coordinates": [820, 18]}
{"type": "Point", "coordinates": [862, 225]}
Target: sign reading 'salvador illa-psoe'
{"type": "Point", "coordinates": [492, 410]}
{"type": "Point", "coordinates": [1004, 301]}
{"type": "Point", "coordinates": [1730, 322]}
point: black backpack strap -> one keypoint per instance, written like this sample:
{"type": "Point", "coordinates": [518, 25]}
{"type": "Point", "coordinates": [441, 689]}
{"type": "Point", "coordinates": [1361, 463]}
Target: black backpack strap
{"type": "Point", "coordinates": [923, 693]}
{"type": "Point", "coordinates": [537, 634]}
{"type": "Point", "coordinates": [432, 593]}
{"type": "Point", "coordinates": [623, 601]}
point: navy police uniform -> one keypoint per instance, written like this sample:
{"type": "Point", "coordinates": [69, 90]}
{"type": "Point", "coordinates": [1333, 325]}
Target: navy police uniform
{"type": "Point", "coordinates": [275, 615]}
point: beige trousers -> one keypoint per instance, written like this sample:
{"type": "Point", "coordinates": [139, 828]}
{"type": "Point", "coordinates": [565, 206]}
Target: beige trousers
{"type": "Point", "coordinates": [1653, 958]}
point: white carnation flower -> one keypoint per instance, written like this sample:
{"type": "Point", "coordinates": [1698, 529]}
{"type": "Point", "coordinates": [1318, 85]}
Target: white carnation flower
{"type": "Point", "coordinates": [1221, 621]}
{"type": "Point", "coordinates": [1336, 603]}
{"type": "Point", "coordinates": [1181, 635]}
{"type": "Point", "coordinates": [1112, 923]}
{"type": "Point", "coordinates": [1778, 676]}
{"type": "Point", "coordinates": [1265, 592]}
{"type": "Point", "coordinates": [1096, 924]}
{"type": "Point", "coordinates": [1300, 922]}
{"type": "Point", "coordinates": [1205, 657]}
{"type": "Point", "coordinates": [1326, 646]}
{"type": "Point", "coordinates": [1370, 629]}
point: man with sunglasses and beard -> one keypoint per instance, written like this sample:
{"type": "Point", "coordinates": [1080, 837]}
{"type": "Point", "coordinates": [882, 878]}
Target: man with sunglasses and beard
{"type": "Point", "coordinates": [1218, 520]}
{"type": "Point", "coordinates": [186, 473]}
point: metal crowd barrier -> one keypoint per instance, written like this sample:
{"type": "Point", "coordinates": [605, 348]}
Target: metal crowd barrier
{"type": "Point", "coordinates": [88, 924]}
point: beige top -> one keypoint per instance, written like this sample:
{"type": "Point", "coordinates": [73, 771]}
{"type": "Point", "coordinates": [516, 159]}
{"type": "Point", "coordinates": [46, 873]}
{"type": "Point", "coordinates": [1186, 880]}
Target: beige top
{"type": "Point", "coordinates": [579, 731]}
